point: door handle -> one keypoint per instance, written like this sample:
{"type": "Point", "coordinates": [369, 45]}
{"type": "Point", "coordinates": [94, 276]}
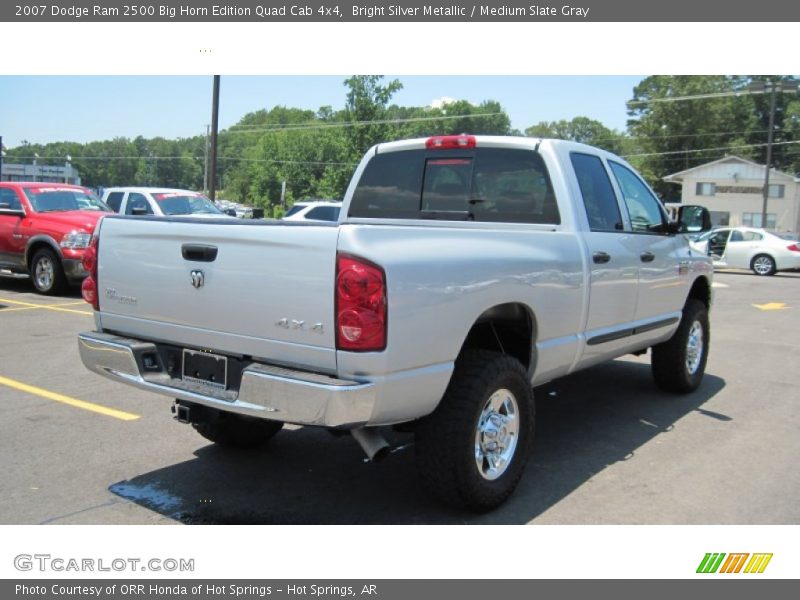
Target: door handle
{"type": "Point", "coordinates": [647, 256]}
{"type": "Point", "coordinates": [199, 252]}
{"type": "Point", "coordinates": [600, 258]}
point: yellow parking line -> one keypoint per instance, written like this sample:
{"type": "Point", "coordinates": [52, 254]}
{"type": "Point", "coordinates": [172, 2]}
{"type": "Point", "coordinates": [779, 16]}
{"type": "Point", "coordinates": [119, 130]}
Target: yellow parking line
{"type": "Point", "coordinates": [47, 306]}
{"type": "Point", "coordinates": [103, 410]}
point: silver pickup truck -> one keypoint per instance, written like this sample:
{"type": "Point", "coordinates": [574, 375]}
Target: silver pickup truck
{"type": "Point", "coordinates": [463, 271]}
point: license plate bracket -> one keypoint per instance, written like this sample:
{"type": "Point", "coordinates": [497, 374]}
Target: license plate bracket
{"type": "Point", "coordinates": [206, 368]}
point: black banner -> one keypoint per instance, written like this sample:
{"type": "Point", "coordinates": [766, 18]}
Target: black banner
{"type": "Point", "coordinates": [538, 11]}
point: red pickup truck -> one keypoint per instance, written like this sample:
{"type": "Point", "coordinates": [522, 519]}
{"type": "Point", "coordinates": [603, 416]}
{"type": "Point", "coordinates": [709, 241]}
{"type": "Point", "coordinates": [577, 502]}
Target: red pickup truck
{"type": "Point", "coordinates": [44, 231]}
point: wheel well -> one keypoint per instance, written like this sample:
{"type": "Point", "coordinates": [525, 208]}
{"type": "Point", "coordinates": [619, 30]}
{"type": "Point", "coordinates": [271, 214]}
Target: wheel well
{"type": "Point", "coordinates": [35, 247]}
{"type": "Point", "coordinates": [507, 328]}
{"type": "Point", "coordinates": [701, 291]}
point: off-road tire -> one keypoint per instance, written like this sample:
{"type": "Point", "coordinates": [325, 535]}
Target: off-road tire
{"type": "Point", "coordinates": [447, 441]}
{"type": "Point", "coordinates": [47, 273]}
{"type": "Point", "coordinates": [675, 364]}
{"type": "Point", "coordinates": [235, 431]}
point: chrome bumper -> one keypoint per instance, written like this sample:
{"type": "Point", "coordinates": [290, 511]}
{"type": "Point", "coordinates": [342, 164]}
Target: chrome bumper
{"type": "Point", "coordinates": [266, 391]}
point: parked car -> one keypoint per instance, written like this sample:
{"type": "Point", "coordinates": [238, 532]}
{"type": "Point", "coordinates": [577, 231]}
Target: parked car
{"type": "Point", "coordinates": [161, 201]}
{"type": "Point", "coordinates": [749, 248]}
{"type": "Point", "coordinates": [467, 270]}
{"type": "Point", "coordinates": [316, 210]}
{"type": "Point", "coordinates": [45, 229]}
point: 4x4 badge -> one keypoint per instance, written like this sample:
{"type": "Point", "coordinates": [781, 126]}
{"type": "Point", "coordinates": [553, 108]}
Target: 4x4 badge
{"type": "Point", "coordinates": [197, 279]}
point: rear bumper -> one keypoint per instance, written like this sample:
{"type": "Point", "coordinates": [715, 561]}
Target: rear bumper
{"type": "Point", "coordinates": [265, 391]}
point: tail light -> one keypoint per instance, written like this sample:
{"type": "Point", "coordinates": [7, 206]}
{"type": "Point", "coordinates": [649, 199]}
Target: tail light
{"type": "Point", "coordinates": [793, 248]}
{"type": "Point", "coordinates": [89, 285]}
{"type": "Point", "coordinates": [450, 142]}
{"type": "Point", "coordinates": [360, 305]}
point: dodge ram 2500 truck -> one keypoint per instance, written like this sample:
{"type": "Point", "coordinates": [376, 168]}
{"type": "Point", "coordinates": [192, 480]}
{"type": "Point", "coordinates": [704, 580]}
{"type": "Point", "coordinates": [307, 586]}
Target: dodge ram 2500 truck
{"type": "Point", "coordinates": [463, 271]}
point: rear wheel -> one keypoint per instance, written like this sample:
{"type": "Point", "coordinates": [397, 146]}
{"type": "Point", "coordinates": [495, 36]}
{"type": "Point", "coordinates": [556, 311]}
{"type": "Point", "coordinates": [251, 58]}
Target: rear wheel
{"type": "Point", "coordinates": [763, 264]}
{"type": "Point", "coordinates": [679, 363]}
{"type": "Point", "coordinates": [472, 450]}
{"type": "Point", "coordinates": [232, 430]}
{"type": "Point", "coordinates": [46, 272]}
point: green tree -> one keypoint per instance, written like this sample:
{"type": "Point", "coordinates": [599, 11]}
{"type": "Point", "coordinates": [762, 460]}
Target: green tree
{"type": "Point", "coordinates": [672, 134]}
{"type": "Point", "coordinates": [367, 101]}
{"type": "Point", "coordinates": [580, 129]}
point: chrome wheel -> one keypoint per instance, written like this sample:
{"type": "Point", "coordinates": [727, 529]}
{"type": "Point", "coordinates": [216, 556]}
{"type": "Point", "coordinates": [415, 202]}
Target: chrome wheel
{"type": "Point", "coordinates": [44, 273]}
{"type": "Point", "coordinates": [497, 434]}
{"type": "Point", "coordinates": [694, 348]}
{"type": "Point", "coordinates": [763, 265]}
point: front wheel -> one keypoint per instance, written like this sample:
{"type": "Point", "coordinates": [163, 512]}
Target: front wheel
{"type": "Point", "coordinates": [47, 274]}
{"type": "Point", "coordinates": [763, 264]}
{"type": "Point", "coordinates": [472, 450]}
{"type": "Point", "coordinates": [679, 363]}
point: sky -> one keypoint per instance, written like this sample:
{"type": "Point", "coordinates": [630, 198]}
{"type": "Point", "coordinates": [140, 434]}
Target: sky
{"type": "Point", "coordinates": [43, 109]}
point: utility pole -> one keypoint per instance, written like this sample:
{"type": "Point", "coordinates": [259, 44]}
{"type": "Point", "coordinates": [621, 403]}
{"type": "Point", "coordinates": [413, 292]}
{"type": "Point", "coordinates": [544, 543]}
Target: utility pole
{"type": "Point", "coordinates": [214, 125]}
{"type": "Point", "coordinates": [205, 160]}
{"type": "Point", "coordinates": [771, 87]}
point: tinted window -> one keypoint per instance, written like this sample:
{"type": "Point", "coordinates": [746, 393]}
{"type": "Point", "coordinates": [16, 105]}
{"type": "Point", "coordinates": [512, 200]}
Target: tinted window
{"type": "Point", "coordinates": [181, 204]}
{"type": "Point", "coordinates": [599, 198]}
{"type": "Point", "coordinates": [644, 209]}
{"type": "Point", "coordinates": [512, 186]}
{"type": "Point", "coordinates": [752, 236]}
{"type": "Point", "coordinates": [736, 236]}
{"type": "Point", "coordinates": [9, 196]}
{"type": "Point", "coordinates": [323, 213]}
{"type": "Point", "coordinates": [295, 209]}
{"type": "Point", "coordinates": [114, 200]}
{"type": "Point", "coordinates": [390, 186]}
{"type": "Point", "coordinates": [139, 202]}
{"type": "Point", "coordinates": [488, 184]}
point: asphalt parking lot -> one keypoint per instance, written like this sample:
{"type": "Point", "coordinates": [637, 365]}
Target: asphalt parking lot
{"type": "Point", "coordinates": [609, 448]}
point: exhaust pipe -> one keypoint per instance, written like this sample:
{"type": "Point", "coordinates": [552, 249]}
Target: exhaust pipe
{"type": "Point", "coordinates": [372, 443]}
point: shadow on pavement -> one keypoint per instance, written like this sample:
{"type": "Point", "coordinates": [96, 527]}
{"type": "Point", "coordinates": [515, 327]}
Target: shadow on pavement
{"type": "Point", "coordinates": [585, 423]}
{"type": "Point", "coordinates": [23, 285]}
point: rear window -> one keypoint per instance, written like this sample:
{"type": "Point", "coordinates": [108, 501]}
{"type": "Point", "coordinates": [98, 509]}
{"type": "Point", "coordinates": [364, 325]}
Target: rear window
{"type": "Point", "coordinates": [114, 200]}
{"type": "Point", "coordinates": [183, 204]}
{"type": "Point", "coordinates": [486, 184]}
{"type": "Point", "coordinates": [323, 213]}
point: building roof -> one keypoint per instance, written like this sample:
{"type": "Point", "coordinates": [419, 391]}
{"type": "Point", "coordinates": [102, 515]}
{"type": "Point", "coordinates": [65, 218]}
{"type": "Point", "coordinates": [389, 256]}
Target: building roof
{"type": "Point", "coordinates": [681, 175]}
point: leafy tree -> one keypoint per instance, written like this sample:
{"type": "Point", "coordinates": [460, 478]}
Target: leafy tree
{"type": "Point", "coordinates": [367, 100]}
{"type": "Point", "coordinates": [580, 129]}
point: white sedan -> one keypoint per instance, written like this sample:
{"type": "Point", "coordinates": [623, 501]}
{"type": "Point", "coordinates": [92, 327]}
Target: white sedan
{"type": "Point", "coordinates": [749, 248]}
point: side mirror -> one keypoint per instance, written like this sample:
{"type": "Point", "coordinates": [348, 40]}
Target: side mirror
{"type": "Point", "coordinates": [693, 219]}
{"type": "Point", "coordinates": [139, 211]}
{"type": "Point", "coordinates": [231, 212]}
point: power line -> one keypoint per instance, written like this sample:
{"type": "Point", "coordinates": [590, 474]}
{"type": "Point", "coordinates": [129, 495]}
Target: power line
{"type": "Point", "coordinates": [696, 97]}
{"type": "Point", "coordinates": [684, 152]}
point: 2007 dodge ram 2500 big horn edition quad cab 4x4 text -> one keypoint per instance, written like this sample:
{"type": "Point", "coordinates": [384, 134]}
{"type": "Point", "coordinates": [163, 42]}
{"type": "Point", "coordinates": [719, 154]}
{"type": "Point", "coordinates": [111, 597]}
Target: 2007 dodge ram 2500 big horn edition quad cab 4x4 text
{"type": "Point", "coordinates": [463, 271]}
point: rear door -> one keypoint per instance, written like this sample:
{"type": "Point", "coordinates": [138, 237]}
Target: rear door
{"type": "Point", "coordinates": [613, 263]}
{"type": "Point", "coordinates": [741, 247]}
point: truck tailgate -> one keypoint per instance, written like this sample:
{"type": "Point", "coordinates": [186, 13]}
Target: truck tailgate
{"type": "Point", "coordinates": [261, 289]}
